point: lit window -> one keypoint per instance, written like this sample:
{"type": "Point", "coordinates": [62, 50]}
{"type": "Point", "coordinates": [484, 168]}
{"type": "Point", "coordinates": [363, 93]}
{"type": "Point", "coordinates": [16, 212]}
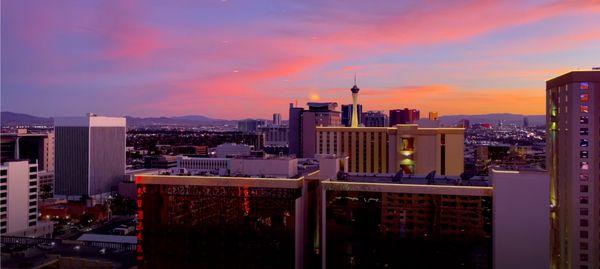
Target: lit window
{"type": "Point", "coordinates": [583, 223]}
{"type": "Point", "coordinates": [584, 86]}
{"type": "Point", "coordinates": [584, 97]}
{"type": "Point", "coordinates": [584, 177]}
{"type": "Point", "coordinates": [584, 200]}
{"type": "Point", "coordinates": [584, 143]}
{"type": "Point", "coordinates": [584, 165]}
{"type": "Point", "coordinates": [583, 131]}
{"type": "Point", "coordinates": [584, 154]}
{"type": "Point", "coordinates": [584, 108]}
{"type": "Point", "coordinates": [583, 188]}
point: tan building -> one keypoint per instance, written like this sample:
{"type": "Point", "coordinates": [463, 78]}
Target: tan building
{"type": "Point", "coordinates": [388, 149]}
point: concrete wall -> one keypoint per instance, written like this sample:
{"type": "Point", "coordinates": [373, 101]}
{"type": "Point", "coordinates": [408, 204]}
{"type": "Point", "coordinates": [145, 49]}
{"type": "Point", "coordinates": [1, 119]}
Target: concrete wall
{"type": "Point", "coordinates": [265, 167]}
{"type": "Point", "coordinates": [521, 226]}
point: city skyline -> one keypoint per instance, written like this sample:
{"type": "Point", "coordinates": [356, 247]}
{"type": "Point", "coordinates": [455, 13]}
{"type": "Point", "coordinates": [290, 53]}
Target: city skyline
{"type": "Point", "coordinates": [231, 60]}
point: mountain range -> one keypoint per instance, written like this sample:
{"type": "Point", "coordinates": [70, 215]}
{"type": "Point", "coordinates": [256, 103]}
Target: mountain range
{"type": "Point", "coordinates": [11, 119]}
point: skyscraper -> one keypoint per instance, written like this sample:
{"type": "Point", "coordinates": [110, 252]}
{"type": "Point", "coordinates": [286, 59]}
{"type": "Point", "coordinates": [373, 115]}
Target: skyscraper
{"type": "Point", "coordinates": [303, 125]}
{"type": "Point", "coordinates": [572, 109]}
{"type": "Point", "coordinates": [347, 114]}
{"type": "Point", "coordinates": [403, 116]}
{"type": "Point", "coordinates": [90, 155]}
{"type": "Point", "coordinates": [276, 119]}
{"type": "Point", "coordinates": [375, 119]}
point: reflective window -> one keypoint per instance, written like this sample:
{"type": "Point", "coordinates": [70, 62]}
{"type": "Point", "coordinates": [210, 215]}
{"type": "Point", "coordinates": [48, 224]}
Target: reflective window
{"type": "Point", "coordinates": [583, 188]}
{"type": "Point", "coordinates": [584, 86]}
{"type": "Point", "coordinates": [584, 154]}
{"type": "Point", "coordinates": [584, 97]}
{"type": "Point", "coordinates": [584, 177]}
{"type": "Point", "coordinates": [584, 200]}
{"type": "Point", "coordinates": [583, 131]}
{"type": "Point", "coordinates": [583, 211]}
{"type": "Point", "coordinates": [584, 108]}
{"type": "Point", "coordinates": [584, 120]}
{"type": "Point", "coordinates": [584, 165]}
{"type": "Point", "coordinates": [584, 143]}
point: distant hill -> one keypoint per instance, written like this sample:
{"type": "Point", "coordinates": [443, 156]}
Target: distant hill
{"type": "Point", "coordinates": [190, 120]}
{"type": "Point", "coordinates": [12, 119]}
{"type": "Point", "coordinates": [506, 118]}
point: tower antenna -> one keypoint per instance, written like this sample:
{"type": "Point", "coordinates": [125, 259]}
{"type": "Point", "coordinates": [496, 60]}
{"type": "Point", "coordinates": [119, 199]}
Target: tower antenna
{"type": "Point", "coordinates": [354, 78]}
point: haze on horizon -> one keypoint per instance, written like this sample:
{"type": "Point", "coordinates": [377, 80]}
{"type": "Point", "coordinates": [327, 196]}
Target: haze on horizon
{"type": "Point", "coordinates": [248, 59]}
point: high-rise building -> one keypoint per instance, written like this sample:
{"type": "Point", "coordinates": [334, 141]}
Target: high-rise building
{"type": "Point", "coordinates": [375, 119]}
{"type": "Point", "coordinates": [303, 123]}
{"type": "Point", "coordinates": [404, 116]}
{"type": "Point", "coordinates": [433, 115]}
{"type": "Point", "coordinates": [19, 200]}
{"type": "Point", "coordinates": [406, 147]}
{"type": "Point", "coordinates": [347, 114]}
{"type": "Point", "coordinates": [573, 150]}
{"type": "Point", "coordinates": [295, 130]}
{"type": "Point", "coordinates": [276, 119]}
{"type": "Point", "coordinates": [525, 122]}
{"type": "Point", "coordinates": [90, 155]}
{"type": "Point", "coordinates": [249, 125]}
{"type": "Point", "coordinates": [31, 146]}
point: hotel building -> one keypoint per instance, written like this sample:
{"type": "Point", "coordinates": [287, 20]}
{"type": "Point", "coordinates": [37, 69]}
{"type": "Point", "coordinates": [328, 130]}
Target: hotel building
{"type": "Point", "coordinates": [573, 147]}
{"type": "Point", "coordinates": [384, 150]}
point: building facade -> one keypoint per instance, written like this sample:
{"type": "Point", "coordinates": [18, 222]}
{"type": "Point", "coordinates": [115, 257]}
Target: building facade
{"type": "Point", "coordinates": [375, 119]}
{"type": "Point", "coordinates": [232, 149]}
{"type": "Point", "coordinates": [404, 116]}
{"type": "Point", "coordinates": [276, 119]}
{"type": "Point", "coordinates": [90, 155]}
{"type": "Point", "coordinates": [19, 200]}
{"type": "Point", "coordinates": [408, 148]}
{"type": "Point", "coordinates": [273, 167]}
{"type": "Point", "coordinates": [196, 166]}
{"type": "Point", "coordinates": [303, 124]}
{"type": "Point", "coordinates": [212, 222]}
{"type": "Point", "coordinates": [37, 148]}
{"type": "Point", "coordinates": [573, 148]}
{"type": "Point", "coordinates": [347, 114]}
{"type": "Point", "coordinates": [275, 135]}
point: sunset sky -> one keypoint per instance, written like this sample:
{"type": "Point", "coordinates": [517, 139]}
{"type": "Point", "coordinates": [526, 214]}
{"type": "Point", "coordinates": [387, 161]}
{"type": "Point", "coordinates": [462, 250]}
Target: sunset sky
{"type": "Point", "coordinates": [237, 59]}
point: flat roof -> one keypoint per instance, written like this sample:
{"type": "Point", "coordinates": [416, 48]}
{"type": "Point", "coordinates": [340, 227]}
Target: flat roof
{"type": "Point", "coordinates": [574, 76]}
{"type": "Point", "coordinates": [407, 188]}
{"type": "Point", "coordinates": [284, 183]}
{"type": "Point", "coordinates": [108, 238]}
